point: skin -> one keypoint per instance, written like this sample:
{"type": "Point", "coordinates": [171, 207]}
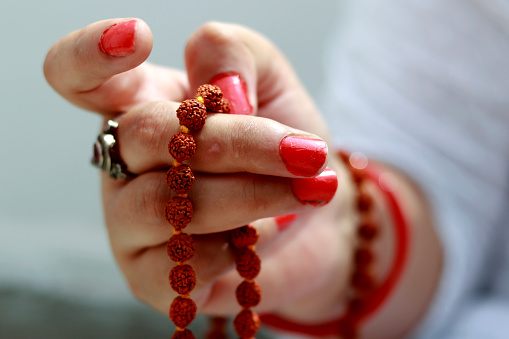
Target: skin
{"type": "Point", "coordinates": [240, 179]}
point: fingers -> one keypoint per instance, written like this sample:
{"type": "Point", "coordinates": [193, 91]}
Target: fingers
{"type": "Point", "coordinates": [136, 212]}
{"type": "Point", "coordinates": [253, 73]}
{"type": "Point", "coordinates": [226, 144]}
{"type": "Point", "coordinates": [96, 67]}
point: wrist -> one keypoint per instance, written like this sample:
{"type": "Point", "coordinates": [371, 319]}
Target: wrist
{"type": "Point", "coordinates": [372, 281]}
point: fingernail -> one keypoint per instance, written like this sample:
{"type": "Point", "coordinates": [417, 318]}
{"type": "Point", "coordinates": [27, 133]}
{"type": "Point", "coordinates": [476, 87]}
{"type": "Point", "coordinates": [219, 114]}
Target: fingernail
{"type": "Point", "coordinates": [235, 90]}
{"type": "Point", "coordinates": [316, 191]}
{"type": "Point", "coordinates": [118, 39]}
{"type": "Point", "coordinates": [303, 156]}
{"type": "Point", "coordinates": [283, 221]}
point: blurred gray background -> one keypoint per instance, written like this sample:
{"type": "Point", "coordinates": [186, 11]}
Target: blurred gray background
{"type": "Point", "coordinates": [57, 275]}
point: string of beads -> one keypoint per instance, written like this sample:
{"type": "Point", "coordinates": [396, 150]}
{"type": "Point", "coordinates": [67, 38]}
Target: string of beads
{"type": "Point", "coordinates": [362, 283]}
{"type": "Point", "coordinates": [248, 293]}
{"type": "Point", "coordinates": [181, 248]}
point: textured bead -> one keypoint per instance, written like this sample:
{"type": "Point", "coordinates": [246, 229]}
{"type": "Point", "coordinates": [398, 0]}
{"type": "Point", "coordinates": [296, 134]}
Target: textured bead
{"type": "Point", "coordinates": [246, 324]}
{"type": "Point", "coordinates": [213, 99]}
{"type": "Point", "coordinates": [180, 179]}
{"type": "Point", "coordinates": [368, 229]}
{"type": "Point", "coordinates": [248, 294]}
{"type": "Point", "coordinates": [348, 330]}
{"type": "Point", "coordinates": [179, 212]}
{"type": "Point", "coordinates": [192, 114]}
{"type": "Point", "coordinates": [248, 263]}
{"type": "Point", "coordinates": [182, 146]}
{"type": "Point", "coordinates": [356, 305]}
{"type": "Point", "coordinates": [364, 202]}
{"type": "Point", "coordinates": [182, 311]}
{"type": "Point", "coordinates": [182, 279]}
{"type": "Point", "coordinates": [362, 280]}
{"type": "Point", "coordinates": [244, 236]}
{"type": "Point", "coordinates": [181, 247]}
{"type": "Point", "coordinates": [363, 256]}
{"type": "Point", "coordinates": [185, 334]}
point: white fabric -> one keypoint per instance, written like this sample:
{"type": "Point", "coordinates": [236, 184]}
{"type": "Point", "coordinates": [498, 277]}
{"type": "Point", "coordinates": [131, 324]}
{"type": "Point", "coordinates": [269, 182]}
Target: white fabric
{"type": "Point", "coordinates": [424, 85]}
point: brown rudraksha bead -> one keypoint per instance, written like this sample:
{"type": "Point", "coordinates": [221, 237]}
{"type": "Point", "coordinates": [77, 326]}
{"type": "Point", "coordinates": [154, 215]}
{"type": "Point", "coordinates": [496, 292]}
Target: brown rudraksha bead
{"type": "Point", "coordinates": [182, 146]}
{"type": "Point", "coordinates": [182, 311]}
{"type": "Point", "coordinates": [180, 179]}
{"type": "Point", "coordinates": [368, 229]}
{"type": "Point", "coordinates": [213, 99]}
{"type": "Point", "coordinates": [244, 236]}
{"type": "Point", "coordinates": [185, 334]}
{"type": "Point", "coordinates": [248, 263]}
{"type": "Point", "coordinates": [248, 294]}
{"type": "Point", "coordinates": [182, 279]}
{"type": "Point", "coordinates": [179, 212]}
{"type": "Point", "coordinates": [181, 247]}
{"type": "Point", "coordinates": [246, 324]}
{"type": "Point", "coordinates": [364, 202]}
{"type": "Point", "coordinates": [363, 256]}
{"type": "Point", "coordinates": [362, 280]}
{"type": "Point", "coordinates": [192, 114]}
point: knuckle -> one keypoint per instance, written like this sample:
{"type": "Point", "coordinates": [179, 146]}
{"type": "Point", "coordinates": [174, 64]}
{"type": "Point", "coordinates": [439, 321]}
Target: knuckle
{"type": "Point", "coordinates": [151, 200]}
{"type": "Point", "coordinates": [145, 129]}
{"type": "Point", "coordinates": [254, 193]}
{"type": "Point", "coordinates": [212, 33]}
{"type": "Point", "coordinates": [241, 143]}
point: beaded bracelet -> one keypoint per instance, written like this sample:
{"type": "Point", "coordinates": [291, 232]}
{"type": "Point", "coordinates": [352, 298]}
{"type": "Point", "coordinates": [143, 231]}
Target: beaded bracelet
{"type": "Point", "coordinates": [179, 209]}
{"type": "Point", "coordinates": [364, 296]}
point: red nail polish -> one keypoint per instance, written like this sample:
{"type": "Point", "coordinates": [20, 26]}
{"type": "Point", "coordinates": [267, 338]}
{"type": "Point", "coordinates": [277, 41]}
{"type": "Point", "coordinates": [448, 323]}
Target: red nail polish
{"type": "Point", "coordinates": [283, 221]}
{"type": "Point", "coordinates": [303, 156]}
{"type": "Point", "coordinates": [118, 39]}
{"type": "Point", "coordinates": [316, 191]}
{"type": "Point", "coordinates": [235, 90]}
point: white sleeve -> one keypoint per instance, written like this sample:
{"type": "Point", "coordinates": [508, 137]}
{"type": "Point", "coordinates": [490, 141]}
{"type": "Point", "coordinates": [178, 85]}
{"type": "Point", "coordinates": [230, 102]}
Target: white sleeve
{"type": "Point", "coordinates": [407, 86]}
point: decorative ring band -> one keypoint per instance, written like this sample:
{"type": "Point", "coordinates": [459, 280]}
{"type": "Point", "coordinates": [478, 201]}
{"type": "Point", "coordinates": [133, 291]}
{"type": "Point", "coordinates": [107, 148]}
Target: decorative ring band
{"type": "Point", "coordinates": [107, 155]}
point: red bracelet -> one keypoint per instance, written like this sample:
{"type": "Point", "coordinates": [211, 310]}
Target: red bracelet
{"type": "Point", "coordinates": [347, 325]}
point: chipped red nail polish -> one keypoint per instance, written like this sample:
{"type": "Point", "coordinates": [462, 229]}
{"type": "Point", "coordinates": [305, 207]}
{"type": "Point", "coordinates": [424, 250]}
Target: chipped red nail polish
{"type": "Point", "coordinates": [303, 156]}
{"type": "Point", "coordinates": [316, 191]}
{"type": "Point", "coordinates": [284, 221]}
{"type": "Point", "coordinates": [118, 39]}
{"type": "Point", "coordinates": [235, 90]}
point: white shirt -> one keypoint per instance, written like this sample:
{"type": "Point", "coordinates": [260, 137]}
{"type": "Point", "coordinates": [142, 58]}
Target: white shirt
{"type": "Point", "coordinates": [424, 85]}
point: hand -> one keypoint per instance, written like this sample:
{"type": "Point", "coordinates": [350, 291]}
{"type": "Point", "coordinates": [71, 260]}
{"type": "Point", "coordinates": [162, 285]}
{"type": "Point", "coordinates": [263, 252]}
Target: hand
{"type": "Point", "coordinates": [241, 176]}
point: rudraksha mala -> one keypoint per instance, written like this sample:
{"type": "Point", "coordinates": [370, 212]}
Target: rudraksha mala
{"type": "Point", "coordinates": [192, 114]}
{"type": "Point", "coordinates": [362, 282]}
{"type": "Point", "coordinates": [248, 293]}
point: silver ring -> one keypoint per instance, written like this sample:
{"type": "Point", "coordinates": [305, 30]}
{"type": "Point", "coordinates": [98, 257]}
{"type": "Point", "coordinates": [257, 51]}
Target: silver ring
{"type": "Point", "coordinates": [107, 155]}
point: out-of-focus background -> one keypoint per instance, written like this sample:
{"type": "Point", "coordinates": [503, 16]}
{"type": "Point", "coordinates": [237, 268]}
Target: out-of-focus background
{"type": "Point", "coordinates": [57, 275]}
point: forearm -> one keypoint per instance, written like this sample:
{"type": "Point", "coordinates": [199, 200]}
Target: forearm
{"type": "Point", "coordinates": [408, 302]}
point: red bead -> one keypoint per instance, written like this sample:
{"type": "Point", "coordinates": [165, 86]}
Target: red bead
{"type": "Point", "coordinates": [179, 212]}
{"type": "Point", "coordinates": [192, 114]}
{"type": "Point", "coordinates": [248, 294]}
{"type": "Point", "coordinates": [248, 263]}
{"type": "Point", "coordinates": [363, 256]}
{"type": "Point", "coordinates": [180, 179]}
{"type": "Point", "coordinates": [362, 280]}
{"type": "Point", "coordinates": [182, 279]}
{"type": "Point", "coordinates": [244, 236]}
{"type": "Point", "coordinates": [182, 146]}
{"type": "Point", "coordinates": [182, 311]}
{"type": "Point", "coordinates": [246, 324]}
{"type": "Point", "coordinates": [185, 334]}
{"type": "Point", "coordinates": [364, 202]}
{"type": "Point", "coordinates": [356, 305]}
{"type": "Point", "coordinates": [181, 247]}
{"type": "Point", "coordinates": [368, 229]}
